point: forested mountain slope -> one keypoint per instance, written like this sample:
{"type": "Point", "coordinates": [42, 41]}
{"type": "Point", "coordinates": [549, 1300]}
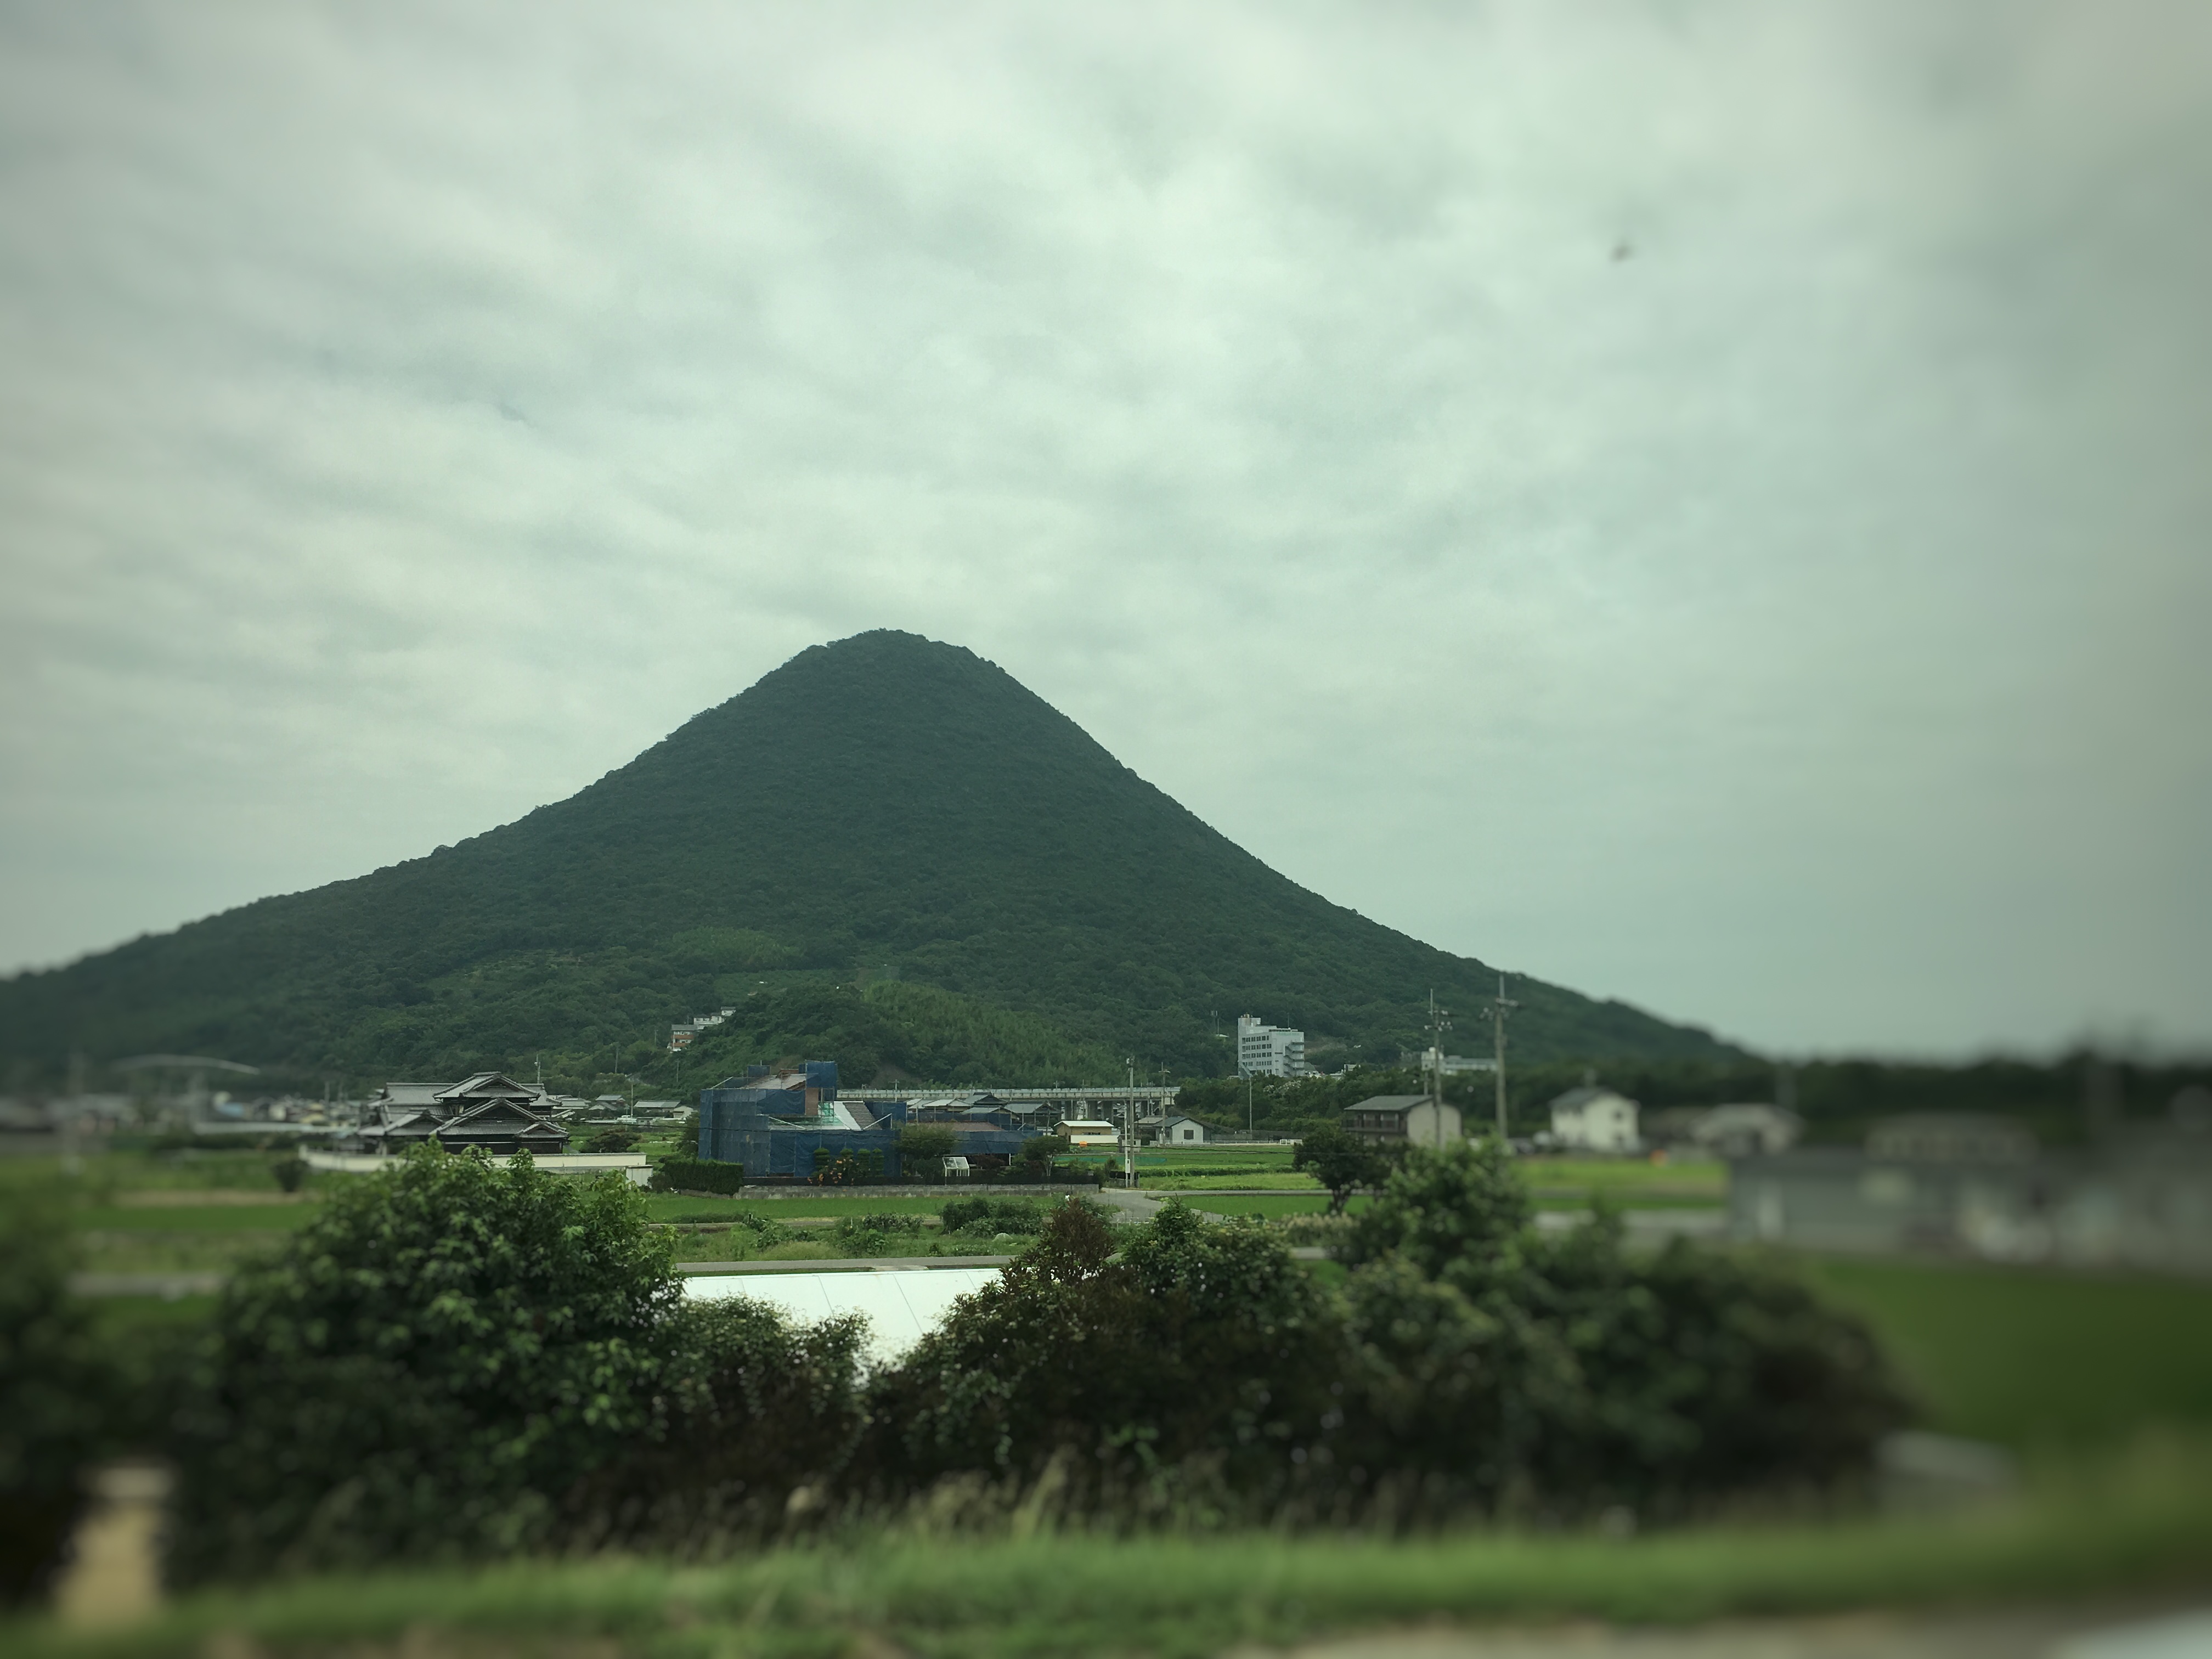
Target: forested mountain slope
{"type": "Point", "coordinates": [885, 806]}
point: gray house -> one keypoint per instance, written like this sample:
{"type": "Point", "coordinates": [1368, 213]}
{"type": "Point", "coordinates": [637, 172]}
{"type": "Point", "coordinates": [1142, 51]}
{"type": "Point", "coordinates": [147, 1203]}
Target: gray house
{"type": "Point", "coordinates": [1413, 1120]}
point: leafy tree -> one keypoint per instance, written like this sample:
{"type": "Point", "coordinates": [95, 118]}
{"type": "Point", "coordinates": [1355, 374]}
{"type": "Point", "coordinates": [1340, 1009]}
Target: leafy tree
{"type": "Point", "coordinates": [612, 1141]}
{"type": "Point", "coordinates": [1445, 1207]}
{"type": "Point", "coordinates": [424, 1369]}
{"type": "Point", "coordinates": [923, 1148]}
{"type": "Point", "coordinates": [1039, 1151]}
{"type": "Point", "coordinates": [1342, 1162]}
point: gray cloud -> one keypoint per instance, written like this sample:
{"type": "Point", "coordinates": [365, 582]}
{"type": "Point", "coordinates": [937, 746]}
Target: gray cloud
{"type": "Point", "coordinates": [1705, 504]}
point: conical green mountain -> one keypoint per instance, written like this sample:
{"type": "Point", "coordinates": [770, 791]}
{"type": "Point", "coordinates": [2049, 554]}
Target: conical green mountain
{"type": "Point", "coordinates": [885, 806]}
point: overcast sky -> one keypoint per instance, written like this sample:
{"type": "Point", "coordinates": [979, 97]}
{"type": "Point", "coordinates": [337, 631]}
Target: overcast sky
{"type": "Point", "coordinates": [1711, 504]}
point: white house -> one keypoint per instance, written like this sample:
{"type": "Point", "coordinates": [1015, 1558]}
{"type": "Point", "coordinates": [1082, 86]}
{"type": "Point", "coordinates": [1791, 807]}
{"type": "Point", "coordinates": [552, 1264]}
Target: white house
{"type": "Point", "coordinates": [1180, 1132]}
{"type": "Point", "coordinates": [1594, 1119]}
{"type": "Point", "coordinates": [1270, 1050]}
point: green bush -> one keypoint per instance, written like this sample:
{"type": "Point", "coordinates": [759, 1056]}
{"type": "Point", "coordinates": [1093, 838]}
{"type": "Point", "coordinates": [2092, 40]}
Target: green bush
{"type": "Point", "coordinates": [923, 1148]}
{"type": "Point", "coordinates": [871, 1235]}
{"type": "Point", "coordinates": [1183, 1373]}
{"type": "Point", "coordinates": [697, 1175]}
{"type": "Point", "coordinates": [424, 1369]}
{"type": "Point", "coordinates": [457, 1359]}
{"type": "Point", "coordinates": [59, 1393]}
{"type": "Point", "coordinates": [835, 1168]}
{"type": "Point", "coordinates": [762, 1409]}
{"type": "Point", "coordinates": [1657, 1383]}
{"type": "Point", "coordinates": [765, 1231]}
{"type": "Point", "coordinates": [1469, 1366]}
{"type": "Point", "coordinates": [985, 1217]}
{"type": "Point", "coordinates": [289, 1172]}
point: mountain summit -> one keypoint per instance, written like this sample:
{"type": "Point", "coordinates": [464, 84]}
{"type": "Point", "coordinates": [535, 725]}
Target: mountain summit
{"type": "Point", "coordinates": [883, 806]}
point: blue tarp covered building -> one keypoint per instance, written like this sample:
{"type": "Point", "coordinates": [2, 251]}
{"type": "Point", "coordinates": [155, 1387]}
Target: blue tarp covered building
{"type": "Point", "coordinates": [774, 1122]}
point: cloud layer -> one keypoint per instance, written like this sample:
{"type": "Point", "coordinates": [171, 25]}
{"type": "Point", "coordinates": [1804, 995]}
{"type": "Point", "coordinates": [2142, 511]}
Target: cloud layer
{"type": "Point", "coordinates": [1703, 502]}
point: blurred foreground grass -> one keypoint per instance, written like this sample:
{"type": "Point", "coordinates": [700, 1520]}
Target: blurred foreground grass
{"type": "Point", "coordinates": [2131, 1521]}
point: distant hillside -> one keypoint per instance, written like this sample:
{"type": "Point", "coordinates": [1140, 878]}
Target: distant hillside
{"type": "Point", "coordinates": [885, 806]}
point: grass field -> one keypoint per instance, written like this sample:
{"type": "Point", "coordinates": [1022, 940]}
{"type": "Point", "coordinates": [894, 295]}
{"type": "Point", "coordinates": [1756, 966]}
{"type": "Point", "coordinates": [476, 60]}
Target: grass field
{"type": "Point", "coordinates": [2142, 1519]}
{"type": "Point", "coordinates": [2033, 1359]}
{"type": "Point", "coordinates": [662, 1207]}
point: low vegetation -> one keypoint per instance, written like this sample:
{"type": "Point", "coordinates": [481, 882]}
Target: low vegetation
{"type": "Point", "coordinates": [458, 1359]}
{"type": "Point", "coordinates": [2140, 1522]}
{"type": "Point", "coordinates": [753, 1429]}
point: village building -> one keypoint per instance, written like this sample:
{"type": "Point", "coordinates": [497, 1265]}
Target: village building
{"type": "Point", "coordinates": [1172, 1131]}
{"type": "Point", "coordinates": [491, 1111]}
{"type": "Point", "coordinates": [1411, 1119]}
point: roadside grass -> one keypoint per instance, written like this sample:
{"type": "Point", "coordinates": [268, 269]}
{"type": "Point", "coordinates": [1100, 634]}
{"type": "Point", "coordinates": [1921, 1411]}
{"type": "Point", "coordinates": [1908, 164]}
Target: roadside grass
{"type": "Point", "coordinates": [2030, 1358]}
{"type": "Point", "coordinates": [2131, 1521]}
{"type": "Point", "coordinates": [140, 1318]}
{"type": "Point", "coordinates": [1154, 1182]}
{"type": "Point", "coordinates": [1629, 1179]}
{"type": "Point", "coordinates": [803, 1201]}
{"type": "Point", "coordinates": [1271, 1205]}
{"type": "Point", "coordinates": [181, 1218]}
{"type": "Point", "coordinates": [170, 1253]}
{"type": "Point", "coordinates": [1200, 1157]}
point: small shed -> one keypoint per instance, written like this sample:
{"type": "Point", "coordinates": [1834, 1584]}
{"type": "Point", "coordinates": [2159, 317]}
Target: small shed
{"type": "Point", "coordinates": [1181, 1131]}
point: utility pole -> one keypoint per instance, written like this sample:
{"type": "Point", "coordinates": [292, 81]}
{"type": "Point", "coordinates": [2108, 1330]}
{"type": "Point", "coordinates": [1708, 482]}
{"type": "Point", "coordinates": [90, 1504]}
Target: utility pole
{"type": "Point", "coordinates": [1129, 1128]}
{"type": "Point", "coordinates": [1498, 1009]}
{"type": "Point", "coordinates": [1439, 1023]}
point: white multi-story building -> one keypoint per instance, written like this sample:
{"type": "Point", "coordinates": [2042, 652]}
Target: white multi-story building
{"type": "Point", "coordinates": [1270, 1050]}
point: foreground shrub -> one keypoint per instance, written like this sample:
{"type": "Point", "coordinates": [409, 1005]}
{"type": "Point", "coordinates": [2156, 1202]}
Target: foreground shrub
{"type": "Point", "coordinates": [1658, 1382]}
{"type": "Point", "coordinates": [58, 1394]}
{"type": "Point", "coordinates": [425, 1368]}
{"type": "Point", "coordinates": [760, 1410]}
{"type": "Point", "coordinates": [458, 1359]}
{"type": "Point", "coordinates": [1188, 1370]}
{"type": "Point", "coordinates": [1469, 1366]}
